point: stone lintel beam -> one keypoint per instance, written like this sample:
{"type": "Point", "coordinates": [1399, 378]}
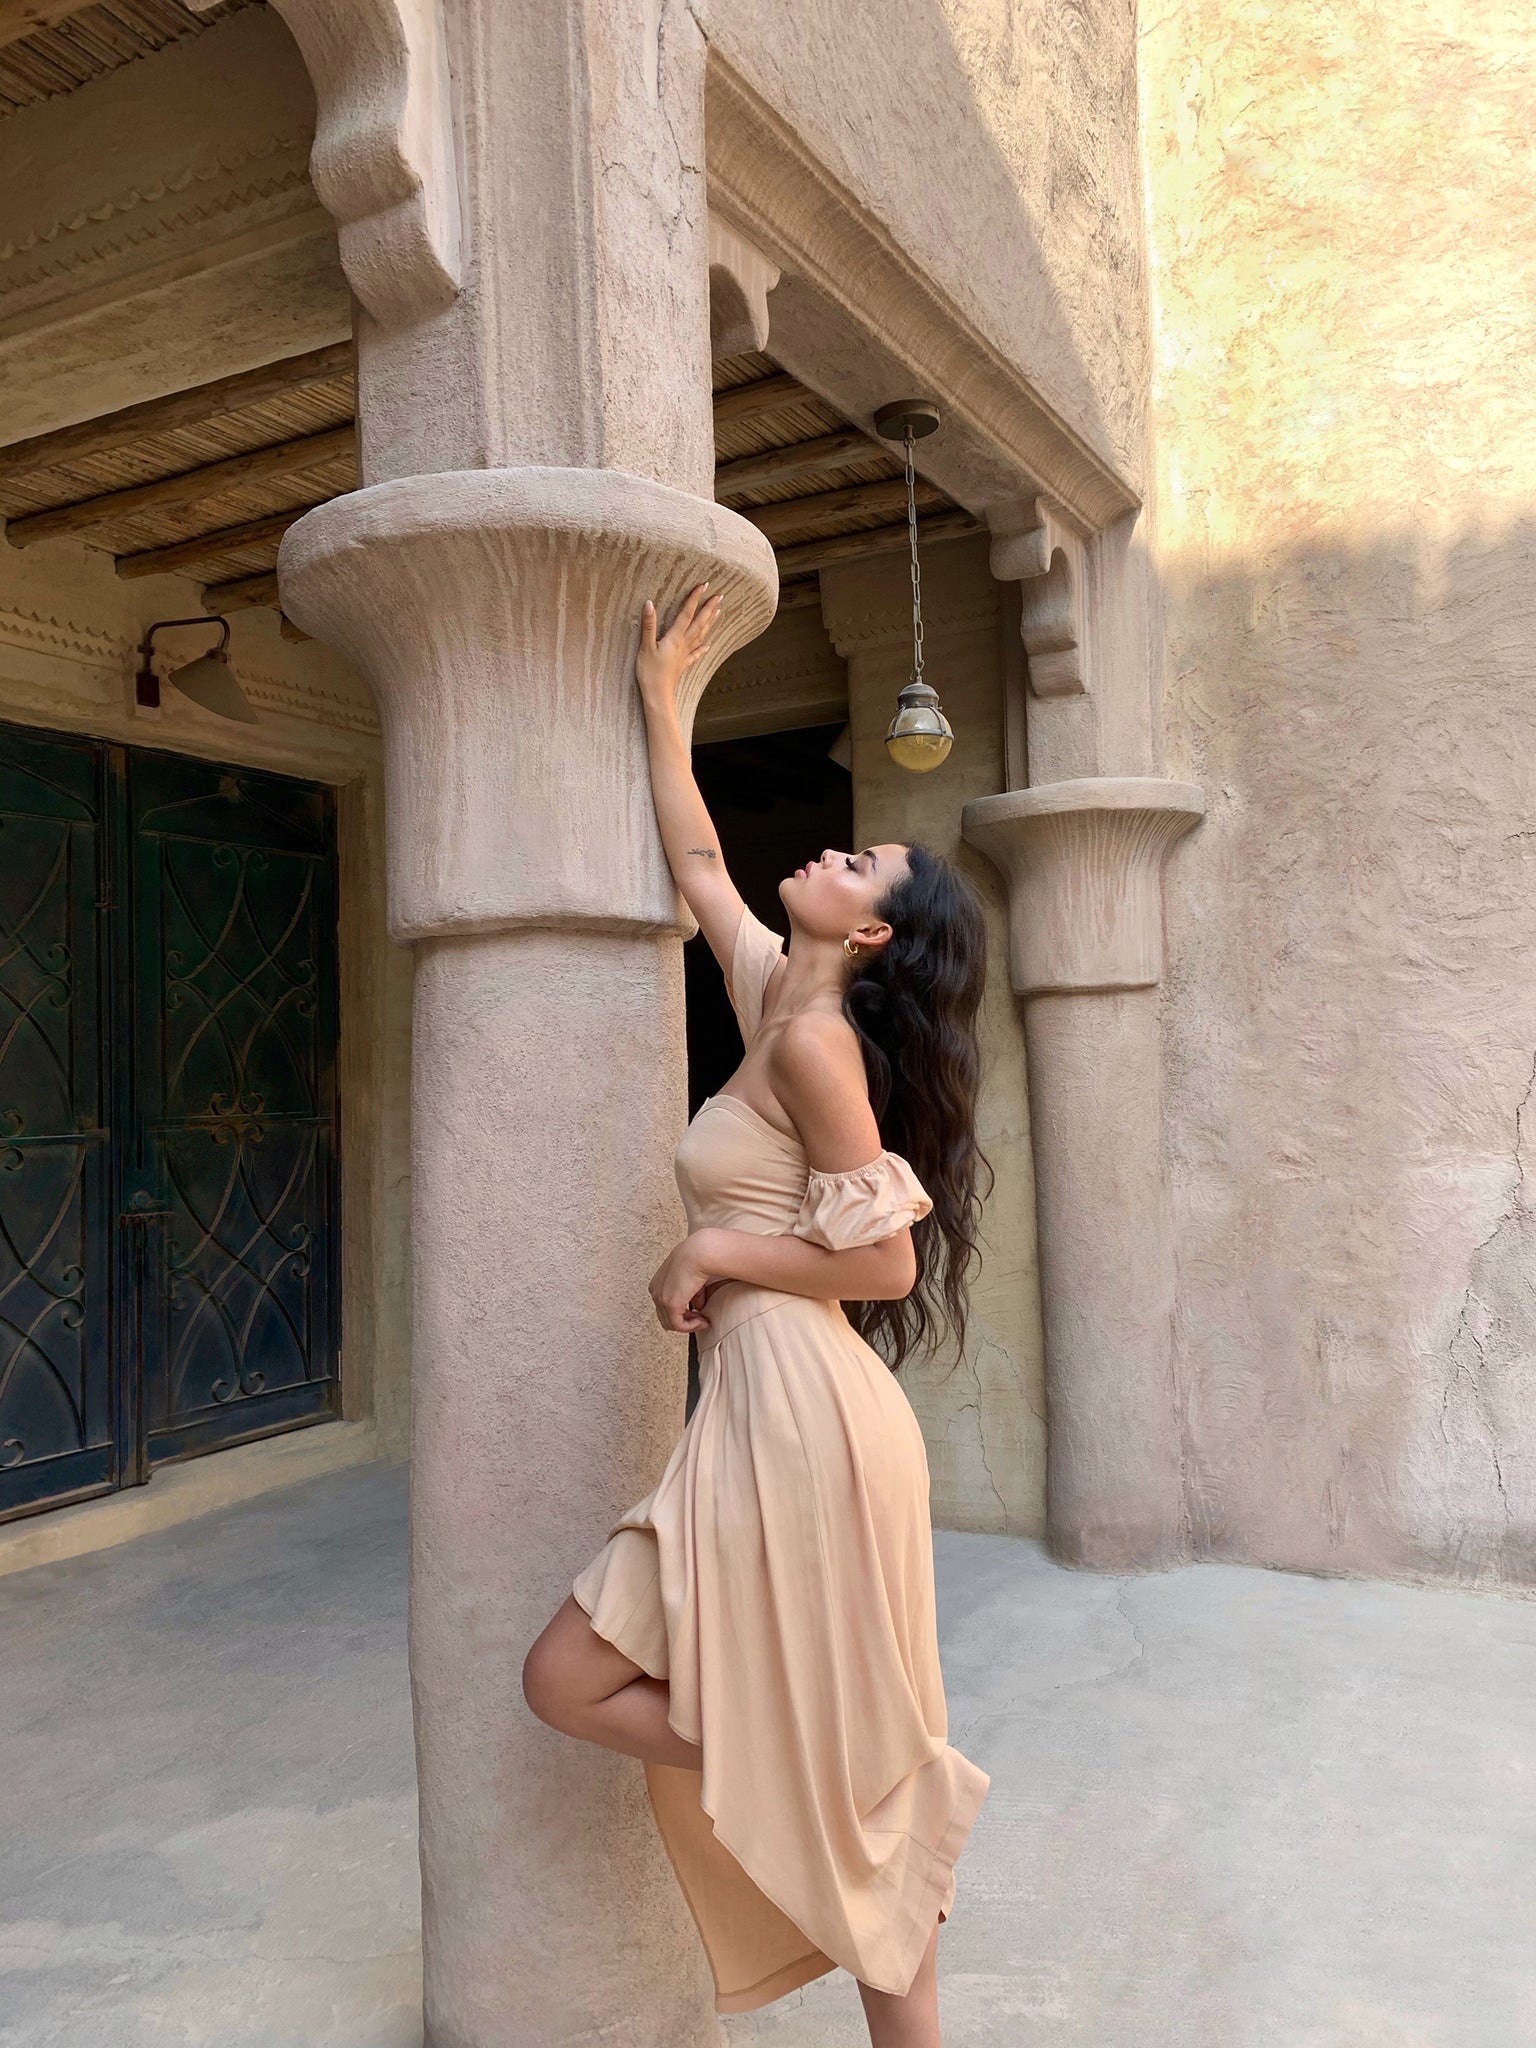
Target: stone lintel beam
{"type": "Point", "coordinates": [496, 614]}
{"type": "Point", "coordinates": [1084, 862]}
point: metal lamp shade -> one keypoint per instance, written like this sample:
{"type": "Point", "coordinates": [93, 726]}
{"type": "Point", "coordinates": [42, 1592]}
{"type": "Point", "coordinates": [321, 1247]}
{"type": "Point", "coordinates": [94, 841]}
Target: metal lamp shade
{"type": "Point", "coordinates": [210, 681]}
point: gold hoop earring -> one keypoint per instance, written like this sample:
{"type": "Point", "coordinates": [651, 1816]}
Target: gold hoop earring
{"type": "Point", "coordinates": [850, 949]}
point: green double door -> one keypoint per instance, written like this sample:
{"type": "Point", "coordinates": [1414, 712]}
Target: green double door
{"type": "Point", "coordinates": [168, 1114]}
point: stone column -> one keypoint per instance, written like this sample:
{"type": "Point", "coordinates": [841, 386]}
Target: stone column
{"type": "Point", "coordinates": [983, 1419]}
{"type": "Point", "coordinates": [1084, 863]}
{"type": "Point", "coordinates": [537, 447]}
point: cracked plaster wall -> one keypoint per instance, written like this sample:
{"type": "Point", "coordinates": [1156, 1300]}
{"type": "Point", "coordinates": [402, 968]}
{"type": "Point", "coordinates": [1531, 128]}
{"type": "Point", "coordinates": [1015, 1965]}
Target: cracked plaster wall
{"type": "Point", "coordinates": [1343, 255]}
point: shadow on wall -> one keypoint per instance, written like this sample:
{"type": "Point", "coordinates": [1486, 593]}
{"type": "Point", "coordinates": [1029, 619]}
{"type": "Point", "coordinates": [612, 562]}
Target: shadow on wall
{"type": "Point", "coordinates": [1351, 1027]}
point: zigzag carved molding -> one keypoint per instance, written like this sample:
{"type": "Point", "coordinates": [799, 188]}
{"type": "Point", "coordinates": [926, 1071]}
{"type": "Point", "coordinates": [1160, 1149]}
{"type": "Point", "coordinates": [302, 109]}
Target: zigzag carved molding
{"type": "Point", "coordinates": [240, 201]}
{"type": "Point", "coordinates": [70, 639]}
{"type": "Point", "coordinates": [128, 201]}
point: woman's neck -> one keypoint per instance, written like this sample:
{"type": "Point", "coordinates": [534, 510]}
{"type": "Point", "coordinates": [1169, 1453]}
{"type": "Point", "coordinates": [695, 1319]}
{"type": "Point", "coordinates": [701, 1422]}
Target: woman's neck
{"type": "Point", "coordinates": [815, 976]}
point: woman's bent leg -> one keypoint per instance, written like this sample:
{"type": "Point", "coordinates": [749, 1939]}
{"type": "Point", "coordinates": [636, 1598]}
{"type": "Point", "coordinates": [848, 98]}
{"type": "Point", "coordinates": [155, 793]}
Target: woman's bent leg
{"type": "Point", "coordinates": [576, 1681]}
{"type": "Point", "coordinates": [913, 2020]}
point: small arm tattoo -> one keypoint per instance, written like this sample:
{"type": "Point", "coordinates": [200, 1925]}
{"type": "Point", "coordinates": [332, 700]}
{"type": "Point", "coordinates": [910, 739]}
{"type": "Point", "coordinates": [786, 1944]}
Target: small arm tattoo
{"type": "Point", "coordinates": [709, 852]}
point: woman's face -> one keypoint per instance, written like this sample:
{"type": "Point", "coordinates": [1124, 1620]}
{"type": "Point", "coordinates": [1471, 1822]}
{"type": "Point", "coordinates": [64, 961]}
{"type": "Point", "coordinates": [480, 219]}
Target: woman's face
{"type": "Point", "coordinates": [835, 895]}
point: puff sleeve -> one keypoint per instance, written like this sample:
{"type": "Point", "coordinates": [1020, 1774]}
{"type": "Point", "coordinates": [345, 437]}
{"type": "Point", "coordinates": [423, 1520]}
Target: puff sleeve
{"type": "Point", "coordinates": [843, 1210]}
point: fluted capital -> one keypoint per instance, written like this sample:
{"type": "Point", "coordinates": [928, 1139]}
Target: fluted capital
{"type": "Point", "coordinates": [496, 614]}
{"type": "Point", "coordinates": [1084, 862]}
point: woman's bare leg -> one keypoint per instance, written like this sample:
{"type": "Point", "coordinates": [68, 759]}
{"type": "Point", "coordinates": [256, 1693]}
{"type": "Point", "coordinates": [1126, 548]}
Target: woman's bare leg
{"type": "Point", "coordinates": [576, 1681]}
{"type": "Point", "coordinates": [911, 2021]}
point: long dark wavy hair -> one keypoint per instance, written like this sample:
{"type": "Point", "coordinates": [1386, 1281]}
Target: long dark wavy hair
{"type": "Point", "coordinates": [914, 1006]}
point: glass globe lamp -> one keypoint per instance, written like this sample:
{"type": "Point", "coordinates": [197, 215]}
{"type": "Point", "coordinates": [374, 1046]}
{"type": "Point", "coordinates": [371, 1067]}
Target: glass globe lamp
{"type": "Point", "coordinates": [920, 735]}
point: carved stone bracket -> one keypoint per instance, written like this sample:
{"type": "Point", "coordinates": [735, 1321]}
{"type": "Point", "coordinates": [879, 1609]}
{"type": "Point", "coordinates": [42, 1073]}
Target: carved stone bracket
{"type": "Point", "coordinates": [384, 163]}
{"type": "Point", "coordinates": [1052, 562]}
{"type": "Point", "coordinates": [1084, 862]}
{"type": "Point", "coordinates": [740, 279]}
{"type": "Point", "coordinates": [496, 613]}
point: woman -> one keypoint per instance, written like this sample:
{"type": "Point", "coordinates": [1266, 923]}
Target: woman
{"type": "Point", "coordinates": [759, 1630]}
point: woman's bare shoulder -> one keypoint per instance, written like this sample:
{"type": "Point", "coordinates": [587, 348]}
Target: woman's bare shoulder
{"type": "Point", "coordinates": [816, 1068]}
{"type": "Point", "coordinates": [813, 1041]}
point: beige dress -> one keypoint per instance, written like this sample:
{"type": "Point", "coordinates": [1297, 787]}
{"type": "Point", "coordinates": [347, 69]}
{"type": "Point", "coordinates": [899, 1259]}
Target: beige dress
{"type": "Point", "coordinates": [780, 1577]}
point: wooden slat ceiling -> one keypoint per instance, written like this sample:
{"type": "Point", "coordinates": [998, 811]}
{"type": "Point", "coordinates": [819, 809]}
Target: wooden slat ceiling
{"type": "Point", "coordinates": [205, 482]}
{"type": "Point", "coordinates": [76, 44]}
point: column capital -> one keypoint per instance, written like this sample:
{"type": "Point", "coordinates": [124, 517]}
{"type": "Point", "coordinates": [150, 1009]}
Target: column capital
{"type": "Point", "coordinates": [496, 614]}
{"type": "Point", "coordinates": [1084, 863]}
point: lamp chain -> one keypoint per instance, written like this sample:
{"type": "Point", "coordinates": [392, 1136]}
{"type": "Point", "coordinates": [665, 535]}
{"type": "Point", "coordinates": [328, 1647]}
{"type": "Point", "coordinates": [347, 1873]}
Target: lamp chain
{"type": "Point", "coordinates": [917, 574]}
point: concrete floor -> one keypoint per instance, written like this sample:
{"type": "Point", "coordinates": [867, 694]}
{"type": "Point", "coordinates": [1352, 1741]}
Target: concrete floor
{"type": "Point", "coordinates": [1229, 1808]}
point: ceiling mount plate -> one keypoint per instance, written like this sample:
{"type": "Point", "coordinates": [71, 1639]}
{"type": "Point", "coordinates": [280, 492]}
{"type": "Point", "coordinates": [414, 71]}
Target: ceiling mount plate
{"type": "Point", "coordinates": [920, 416]}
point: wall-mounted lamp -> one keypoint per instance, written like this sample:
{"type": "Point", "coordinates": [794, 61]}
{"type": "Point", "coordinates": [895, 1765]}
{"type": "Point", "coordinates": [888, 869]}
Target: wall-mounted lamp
{"type": "Point", "coordinates": [208, 679]}
{"type": "Point", "coordinates": [920, 734]}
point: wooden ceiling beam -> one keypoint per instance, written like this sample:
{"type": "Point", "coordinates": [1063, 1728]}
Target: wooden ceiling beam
{"type": "Point", "coordinates": [796, 597]}
{"type": "Point", "coordinates": [20, 18]}
{"type": "Point", "coordinates": [854, 501]}
{"type": "Point", "coordinates": [242, 593]}
{"type": "Point", "coordinates": [758, 400]}
{"type": "Point", "coordinates": [799, 459]}
{"type": "Point", "coordinates": [811, 555]}
{"type": "Point", "coordinates": [189, 487]}
{"type": "Point", "coordinates": [203, 547]}
{"type": "Point", "coordinates": [194, 407]}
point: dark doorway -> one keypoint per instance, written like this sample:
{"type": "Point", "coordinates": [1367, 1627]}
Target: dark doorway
{"type": "Point", "coordinates": [776, 802]}
{"type": "Point", "coordinates": [168, 1117]}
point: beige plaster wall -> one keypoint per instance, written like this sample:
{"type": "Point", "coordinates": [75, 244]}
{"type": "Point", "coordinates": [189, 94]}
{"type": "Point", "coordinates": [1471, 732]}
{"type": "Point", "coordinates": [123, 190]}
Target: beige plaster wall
{"type": "Point", "coordinates": [69, 633]}
{"type": "Point", "coordinates": [983, 1414]}
{"type": "Point", "coordinates": [1343, 250]}
{"type": "Point", "coordinates": [995, 144]}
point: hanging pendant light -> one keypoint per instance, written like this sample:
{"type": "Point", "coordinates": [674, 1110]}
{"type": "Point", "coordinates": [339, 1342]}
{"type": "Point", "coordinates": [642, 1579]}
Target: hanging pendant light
{"type": "Point", "coordinates": [920, 734]}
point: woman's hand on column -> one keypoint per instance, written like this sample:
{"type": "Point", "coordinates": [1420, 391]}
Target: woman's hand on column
{"type": "Point", "coordinates": [662, 663]}
{"type": "Point", "coordinates": [687, 831]}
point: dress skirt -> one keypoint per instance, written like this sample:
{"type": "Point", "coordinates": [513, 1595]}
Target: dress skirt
{"type": "Point", "coordinates": [780, 1577]}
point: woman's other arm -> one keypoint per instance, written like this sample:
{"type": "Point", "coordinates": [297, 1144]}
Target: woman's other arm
{"type": "Point", "coordinates": [687, 831]}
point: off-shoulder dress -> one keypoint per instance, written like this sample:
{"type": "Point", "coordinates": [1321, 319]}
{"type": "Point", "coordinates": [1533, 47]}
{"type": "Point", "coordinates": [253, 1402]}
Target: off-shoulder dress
{"type": "Point", "coordinates": [780, 1577]}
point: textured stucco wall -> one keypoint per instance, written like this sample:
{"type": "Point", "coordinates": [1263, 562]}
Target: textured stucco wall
{"type": "Point", "coordinates": [1343, 256]}
{"type": "Point", "coordinates": [995, 142]}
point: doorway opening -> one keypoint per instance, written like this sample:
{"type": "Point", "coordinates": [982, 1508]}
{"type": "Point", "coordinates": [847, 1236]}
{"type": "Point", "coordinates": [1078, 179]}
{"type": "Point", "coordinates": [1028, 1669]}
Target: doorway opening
{"type": "Point", "coordinates": [776, 800]}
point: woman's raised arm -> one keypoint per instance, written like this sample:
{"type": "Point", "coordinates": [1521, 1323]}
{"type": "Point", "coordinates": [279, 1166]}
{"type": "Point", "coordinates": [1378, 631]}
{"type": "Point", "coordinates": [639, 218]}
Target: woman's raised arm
{"type": "Point", "coordinates": [687, 831]}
